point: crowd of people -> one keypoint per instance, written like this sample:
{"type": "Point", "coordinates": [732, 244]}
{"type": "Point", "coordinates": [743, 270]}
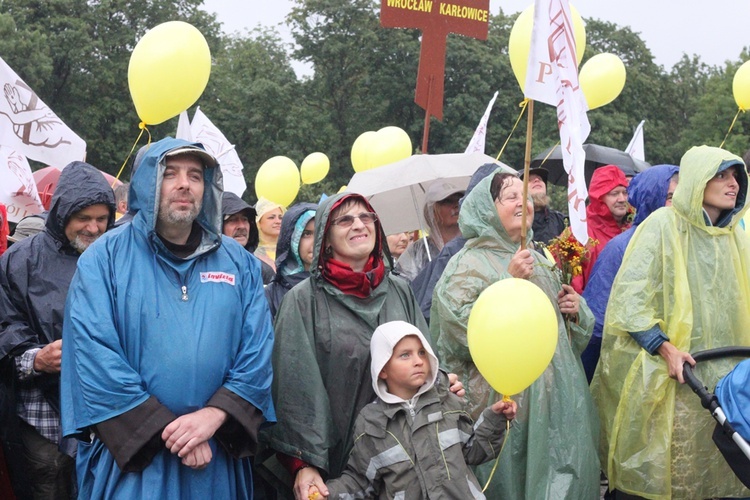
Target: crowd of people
{"type": "Point", "coordinates": [170, 340]}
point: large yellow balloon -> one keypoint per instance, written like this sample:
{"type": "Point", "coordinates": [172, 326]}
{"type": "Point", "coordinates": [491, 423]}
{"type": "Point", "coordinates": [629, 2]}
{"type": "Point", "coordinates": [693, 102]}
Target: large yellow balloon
{"type": "Point", "coordinates": [741, 86]}
{"type": "Point", "coordinates": [519, 43]}
{"type": "Point", "coordinates": [168, 71]}
{"type": "Point", "coordinates": [602, 79]}
{"type": "Point", "coordinates": [361, 156]}
{"type": "Point", "coordinates": [512, 334]}
{"type": "Point", "coordinates": [390, 145]}
{"type": "Point", "coordinates": [277, 180]}
{"type": "Point", "coordinates": [314, 168]}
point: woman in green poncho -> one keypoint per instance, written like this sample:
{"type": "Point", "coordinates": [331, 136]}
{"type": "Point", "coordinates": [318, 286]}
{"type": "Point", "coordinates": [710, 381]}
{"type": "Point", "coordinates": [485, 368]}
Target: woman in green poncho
{"type": "Point", "coordinates": [551, 450]}
{"type": "Point", "coordinates": [321, 357]}
{"type": "Point", "coordinates": [682, 287]}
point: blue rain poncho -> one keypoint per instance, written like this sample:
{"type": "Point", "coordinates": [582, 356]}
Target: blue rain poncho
{"type": "Point", "coordinates": [131, 338]}
{"type": "Point", "coordinates": [688, 279]}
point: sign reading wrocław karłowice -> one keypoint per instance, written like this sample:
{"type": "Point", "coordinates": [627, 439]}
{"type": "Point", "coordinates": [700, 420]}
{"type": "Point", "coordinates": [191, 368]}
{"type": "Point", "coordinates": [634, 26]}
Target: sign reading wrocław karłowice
{"type": "Point", "coordinates": [435, 18]}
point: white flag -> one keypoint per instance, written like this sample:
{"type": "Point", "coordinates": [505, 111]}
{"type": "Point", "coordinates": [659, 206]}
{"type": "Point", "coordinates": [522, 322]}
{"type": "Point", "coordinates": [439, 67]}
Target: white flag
{"type": "Point", "coordinates": [183, 127]}
{"type": "Point", "coordinates": [476, 145]}
{"type": "Point", "coordinates": [28, 126]}
{"type": "Point", "coordinates": [552, 78]}
{"type": "Point", "coordinates": [18, 190]}
{"type": "Point", "coordinates": [635, 148]}
{"type": "Point", "coordinates": [213, 140]}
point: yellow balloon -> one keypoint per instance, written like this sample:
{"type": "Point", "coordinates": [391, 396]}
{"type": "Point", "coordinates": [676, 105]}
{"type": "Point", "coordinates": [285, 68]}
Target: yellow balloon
{"type": "Point", "coordinates": [361, 156]}
{"type": "Point", "coordinates": [390, 145]}
{"type": "Point", "coordinates": [741, 86]}
{"type": "Point", "coordinates": [314, 168]}
{"type": "Point", "coordinates": [519, 43]}
{"type": "Point", "coordinates": [512, 334]}
{"type": "Point", "coordinates": [277, 180]}
{"type": "Point", "coordinates": [602, 79]}
{"type": "Point", "coordinates": [341, 189]}
{"type": "Point", "coordinates": [168, 71]}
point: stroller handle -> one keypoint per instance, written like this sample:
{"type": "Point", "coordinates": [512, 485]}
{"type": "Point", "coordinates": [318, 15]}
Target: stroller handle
{"type": "Point", "coordinates": [708, 400]}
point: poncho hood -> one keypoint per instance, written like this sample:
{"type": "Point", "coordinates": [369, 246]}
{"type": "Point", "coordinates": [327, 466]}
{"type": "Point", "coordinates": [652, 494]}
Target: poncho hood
{"type": "Point", "coordinates": [698, 166]}
{"type": "Point", "coordinates": [145, 190]}
{"type": "Point", "coordinates": [384, 339]}
{"type": "Point", "coordinates": [322, 225]}
{"type": "Point", "coordinates": [604, 180]}
{"type": "Point", "coordinates": [288, 260]}
{"type": "Point", "coordinates": [478, 217]}
{"type": "Point", "coordinates": [648, 190]}
{"type": "Point", "coordinates": [232, 204]}
{"type": "Point", "coordinates": [80, 185]}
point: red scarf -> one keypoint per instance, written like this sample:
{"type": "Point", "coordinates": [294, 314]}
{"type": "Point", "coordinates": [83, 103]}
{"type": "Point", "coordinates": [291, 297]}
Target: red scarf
{"type": "Point", "coordinates": [350, 282]}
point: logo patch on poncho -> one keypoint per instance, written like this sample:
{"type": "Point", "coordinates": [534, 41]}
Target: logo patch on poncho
{"type": "Point", "coordinates": [217, 277]}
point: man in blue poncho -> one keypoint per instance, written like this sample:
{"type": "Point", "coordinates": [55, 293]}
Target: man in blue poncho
{"type": "Point", "coordinates": [167, 369]}
{"type": "Point", "coordinates": [648, 191]}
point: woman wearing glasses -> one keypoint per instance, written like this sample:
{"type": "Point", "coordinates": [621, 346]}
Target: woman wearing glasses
{"type": "Point", "coordinates": [551, 451]}
{"type": "Point", "coordinates": [323, 329]}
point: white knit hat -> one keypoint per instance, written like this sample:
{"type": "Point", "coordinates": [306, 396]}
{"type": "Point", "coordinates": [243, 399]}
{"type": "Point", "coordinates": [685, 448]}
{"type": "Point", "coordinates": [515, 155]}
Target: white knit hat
{"type": "Point", "coordinates": [384, 339]}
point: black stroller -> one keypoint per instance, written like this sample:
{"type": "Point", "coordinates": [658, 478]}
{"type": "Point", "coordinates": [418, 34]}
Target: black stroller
{"type": "Point", "coordinates": [735, 449]}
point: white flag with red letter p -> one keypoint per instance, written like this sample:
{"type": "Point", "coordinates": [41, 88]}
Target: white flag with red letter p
{"type": "Point", "coordinates": [552, 78]}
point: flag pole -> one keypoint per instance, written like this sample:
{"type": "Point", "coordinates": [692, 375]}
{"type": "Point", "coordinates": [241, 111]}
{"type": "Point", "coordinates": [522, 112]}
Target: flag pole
{"type": "Point", "coordinates": [526, 166]}
{"type": "Point", "coordinates": [426, 133]}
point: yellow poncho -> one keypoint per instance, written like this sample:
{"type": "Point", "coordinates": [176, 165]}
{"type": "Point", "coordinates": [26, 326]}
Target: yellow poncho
{"type": "Point", "coordinates": [691, 280]}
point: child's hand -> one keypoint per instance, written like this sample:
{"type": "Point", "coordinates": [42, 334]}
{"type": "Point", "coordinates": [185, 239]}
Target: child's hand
{"type": "Point", "coordinates": [313, 493]}
{"type": "Point", "coordinates": [507, 408]}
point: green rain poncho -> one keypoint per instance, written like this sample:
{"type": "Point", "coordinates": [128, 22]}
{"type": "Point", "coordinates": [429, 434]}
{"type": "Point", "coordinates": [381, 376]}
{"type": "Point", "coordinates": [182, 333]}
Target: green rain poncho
{"type": "Point", "coordinates": [691, 280]}
{"type": "Point", "coordinates": [321, 359]}
{"type": "Point", "coordinates": [550, 451]}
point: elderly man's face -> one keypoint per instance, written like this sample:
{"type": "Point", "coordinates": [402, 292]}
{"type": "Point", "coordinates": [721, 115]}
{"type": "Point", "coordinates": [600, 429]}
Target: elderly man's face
{"type": "Point", "coordinates": [181, 190]}
{"type": "Point", "coordinates": [237, 226]}
{"type": "Point", "coordinates": [86, 225]}
{"type": "Point", "coordinates": [617, 202]}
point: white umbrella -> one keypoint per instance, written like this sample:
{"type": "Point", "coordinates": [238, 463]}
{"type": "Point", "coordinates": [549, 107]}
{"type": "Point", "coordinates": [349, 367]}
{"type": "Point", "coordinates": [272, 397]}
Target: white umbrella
{"type": "Point", "coordinates": [397, 191]}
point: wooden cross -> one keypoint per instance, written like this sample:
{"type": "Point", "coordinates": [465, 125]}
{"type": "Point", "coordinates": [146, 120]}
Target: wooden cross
{"type": "Point", "coordinates": [435, 18]}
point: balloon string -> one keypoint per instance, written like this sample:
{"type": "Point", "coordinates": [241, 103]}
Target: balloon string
{"type": "Point", "coordinates": [552, 150]}
{"type": "Point", "coordinates": [143, 127]}
{"type": "Point", "coordinates": [523, 105]}
{"type": "Point", "coordinates": [500, 453]}
{"type": "Point", "coordinates": [739, 110]}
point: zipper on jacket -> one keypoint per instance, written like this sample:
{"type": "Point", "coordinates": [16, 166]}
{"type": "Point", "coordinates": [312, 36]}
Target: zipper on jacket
{"type": "Point", "coordinates": [184, 293]}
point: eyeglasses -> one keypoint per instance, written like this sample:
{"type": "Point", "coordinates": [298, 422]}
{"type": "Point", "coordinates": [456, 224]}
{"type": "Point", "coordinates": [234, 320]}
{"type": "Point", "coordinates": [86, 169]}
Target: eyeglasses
{"type": "Point", "coordinates": [347, 220]}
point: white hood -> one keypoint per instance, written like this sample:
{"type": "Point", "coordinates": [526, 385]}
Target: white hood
{"type": "Point", "coordinates": [384, 339]}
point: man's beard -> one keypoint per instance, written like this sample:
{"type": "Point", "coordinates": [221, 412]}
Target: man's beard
{"type": "Point", "coordinates": [80, 244]}
{"type": "Point", "coordinates": [541, 200]}
{"type": "Point", "coordinates": [178, 217]}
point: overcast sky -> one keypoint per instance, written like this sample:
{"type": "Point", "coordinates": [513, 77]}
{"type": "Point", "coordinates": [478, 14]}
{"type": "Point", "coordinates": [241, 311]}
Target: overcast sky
{"type": "Point", "coordinates": [716, 30]}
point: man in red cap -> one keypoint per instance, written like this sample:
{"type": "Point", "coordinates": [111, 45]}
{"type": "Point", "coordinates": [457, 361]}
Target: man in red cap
{"type": "Point", "coordinates": [607, 215]}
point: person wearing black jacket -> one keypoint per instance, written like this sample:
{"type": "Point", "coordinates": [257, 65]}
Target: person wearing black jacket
{"type": "Point", "coordinates": [35, 274]}
{"type": "Point", "coordinates": [293, 252]}
{"type": "Point", "coordinates": [239, 224]}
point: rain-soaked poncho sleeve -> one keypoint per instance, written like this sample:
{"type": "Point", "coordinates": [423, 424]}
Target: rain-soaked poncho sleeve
{"type": "Point", "coordinates": [645, 450]}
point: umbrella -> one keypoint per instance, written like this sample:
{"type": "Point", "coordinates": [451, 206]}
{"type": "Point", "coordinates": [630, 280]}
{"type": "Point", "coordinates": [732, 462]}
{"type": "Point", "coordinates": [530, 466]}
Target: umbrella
{"type": "Point", "coordinates": [596, 156]}
{"type": "Point", "coordinates": [397, 191]}
{"type": "Point", "coordinates": [46, 181]}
